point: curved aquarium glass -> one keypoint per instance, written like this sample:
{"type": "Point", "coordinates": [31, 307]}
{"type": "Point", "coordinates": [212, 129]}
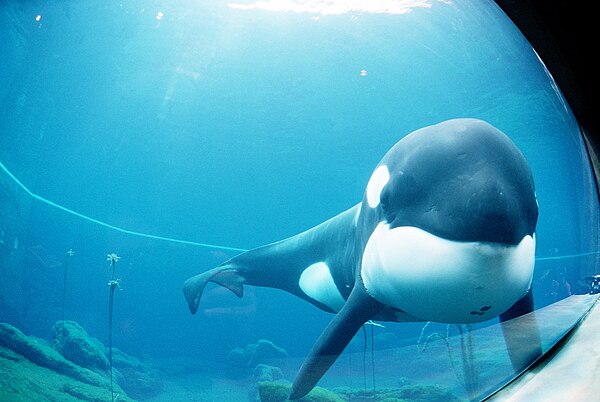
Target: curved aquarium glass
{"type": "Point", "coordinates": [145, 146]}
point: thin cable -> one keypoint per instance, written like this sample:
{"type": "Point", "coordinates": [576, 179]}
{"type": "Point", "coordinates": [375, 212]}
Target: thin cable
{"type": "Point", "coordinates": [188, 242]}
{"type": "Point", "coordinates": [373, 356]}
{"type": "Point", "coordinates": [561, 257]}
{"type": "Point", "coordinates": [364, 356]}
{"type": "Point", "coordinates": [101, 223]}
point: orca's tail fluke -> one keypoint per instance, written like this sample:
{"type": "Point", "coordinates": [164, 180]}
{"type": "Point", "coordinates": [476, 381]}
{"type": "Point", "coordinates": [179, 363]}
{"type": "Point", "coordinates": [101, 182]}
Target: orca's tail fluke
{"type": "Point", "coordinates": [223, 275]}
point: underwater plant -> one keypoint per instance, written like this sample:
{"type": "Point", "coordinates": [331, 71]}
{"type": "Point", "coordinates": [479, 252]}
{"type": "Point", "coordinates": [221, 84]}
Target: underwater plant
{"type": "Point", "coordinates": [113, 283]}
{"type": "Point", "coordinates": [469, 377]}
{"type": "Point", "coordinates": [70, 254]}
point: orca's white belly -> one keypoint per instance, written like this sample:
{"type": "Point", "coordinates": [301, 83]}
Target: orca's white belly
{"type": "Point", "coordinates": [436, 279]}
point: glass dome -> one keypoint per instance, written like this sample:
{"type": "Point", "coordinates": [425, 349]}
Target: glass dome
{"type": "Point", "coordinates": [180, 134]}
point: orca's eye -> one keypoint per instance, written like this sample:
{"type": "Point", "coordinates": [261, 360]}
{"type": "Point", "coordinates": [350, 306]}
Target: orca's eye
{"type": "Point", "coordinates": [384, 198]}
{"type": "Point", "coordinates": [386, 203]}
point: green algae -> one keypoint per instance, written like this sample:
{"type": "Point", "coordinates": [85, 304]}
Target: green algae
{"type": "Point", "coordinates": [74, 343]}
{"type": "Point", "coordinates": [24, 381]}
{"type": "Point", "coordinates": [278, 391]}
{"type": "Point", "coordinates": [33, 371]}
{"type": "Point", "coordinates": [411, 392]}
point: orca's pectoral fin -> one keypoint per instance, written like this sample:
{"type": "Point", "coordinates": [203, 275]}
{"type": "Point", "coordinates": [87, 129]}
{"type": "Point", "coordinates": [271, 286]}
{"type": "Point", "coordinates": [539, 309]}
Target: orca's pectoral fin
{"type": "Point", "coordinates": [224, 276]}
{"type": "Point", "coordinates": [523, 306]}
{"type": "Point", "coordinates": [358, 309]}
{"type": "Point", "coordinates": [521, 333]}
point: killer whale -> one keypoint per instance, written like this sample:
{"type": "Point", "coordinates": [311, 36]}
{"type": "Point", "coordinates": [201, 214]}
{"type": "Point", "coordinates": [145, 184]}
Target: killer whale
{"type": "Point", "coordinates": [445, 232]}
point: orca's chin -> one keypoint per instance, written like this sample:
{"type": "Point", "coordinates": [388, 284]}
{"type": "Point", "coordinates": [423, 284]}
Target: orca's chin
{"type": "Point", "coordinates": [435, 279]}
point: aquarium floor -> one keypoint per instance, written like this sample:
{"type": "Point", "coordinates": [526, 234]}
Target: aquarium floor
{"type": "Point", "coordinates": [570, 372]}
{"type": "Point", "coordinates": [195, 388]}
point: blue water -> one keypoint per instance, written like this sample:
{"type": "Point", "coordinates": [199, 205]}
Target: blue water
{"type": "Point", "coordinates": [234, 127]}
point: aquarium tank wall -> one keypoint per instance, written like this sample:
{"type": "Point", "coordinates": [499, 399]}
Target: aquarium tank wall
{"type": "Point", "coordinates": [145, 143]}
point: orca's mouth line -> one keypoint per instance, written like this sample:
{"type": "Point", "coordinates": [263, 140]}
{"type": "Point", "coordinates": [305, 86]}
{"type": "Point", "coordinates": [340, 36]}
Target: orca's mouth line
{"type": "Point", "coordinates": [46, 201]}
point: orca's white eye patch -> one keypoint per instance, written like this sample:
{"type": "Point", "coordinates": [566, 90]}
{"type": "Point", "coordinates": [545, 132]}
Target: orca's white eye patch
{"type": "Point", "coordinates": [377, 182]}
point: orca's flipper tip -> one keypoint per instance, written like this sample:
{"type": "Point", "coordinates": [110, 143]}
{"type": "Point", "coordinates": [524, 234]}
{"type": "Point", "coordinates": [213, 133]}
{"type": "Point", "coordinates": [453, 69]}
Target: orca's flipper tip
{"type": "Point", "coordinates": [358, 309]}
{"type": "Point", "coordinates": [521, 333]}
{"type": "Point", "coordinates": [297, 393]}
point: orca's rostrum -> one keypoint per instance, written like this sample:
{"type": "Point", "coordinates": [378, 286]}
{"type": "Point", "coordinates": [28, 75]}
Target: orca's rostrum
{"type": "Point", "coordinates": [445, 232]}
